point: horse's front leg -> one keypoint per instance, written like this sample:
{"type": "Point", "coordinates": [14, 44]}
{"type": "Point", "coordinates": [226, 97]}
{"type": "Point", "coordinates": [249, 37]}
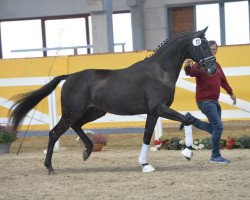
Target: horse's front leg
{"type": "Point", "coordinates": [148, 132]}
{"type": "Point", "coordinates": [166, 112]}
{"type": "Point", "coordinates": [187, 152]}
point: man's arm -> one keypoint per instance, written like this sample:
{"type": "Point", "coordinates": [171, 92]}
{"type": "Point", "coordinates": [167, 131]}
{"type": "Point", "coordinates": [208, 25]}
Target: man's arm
{"type": "Point", "coordinates": [225, 85]}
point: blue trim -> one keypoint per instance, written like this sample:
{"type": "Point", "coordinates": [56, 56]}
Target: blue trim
{"type": "Point", "coordinates": [71, 132]}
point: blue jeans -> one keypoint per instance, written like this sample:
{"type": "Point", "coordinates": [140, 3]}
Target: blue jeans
{"type": "Point", "coordinates": [212, 110]}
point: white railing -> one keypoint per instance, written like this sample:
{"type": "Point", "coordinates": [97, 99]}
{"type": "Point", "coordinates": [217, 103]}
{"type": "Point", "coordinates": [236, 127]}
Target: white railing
{"type": "Point", "coordinates": [75, 48]}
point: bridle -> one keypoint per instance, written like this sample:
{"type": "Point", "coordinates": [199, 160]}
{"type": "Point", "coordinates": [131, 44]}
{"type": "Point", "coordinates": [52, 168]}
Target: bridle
{"type": "Point", "coordinates": [203, 62]}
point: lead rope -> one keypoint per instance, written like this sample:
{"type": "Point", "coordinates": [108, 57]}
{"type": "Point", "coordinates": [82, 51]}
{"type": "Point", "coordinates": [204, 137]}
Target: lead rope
{"type": "Point", "coordinates": [25, 133]}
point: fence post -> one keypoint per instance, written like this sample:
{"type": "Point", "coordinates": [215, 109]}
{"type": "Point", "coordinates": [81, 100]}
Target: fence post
{"type": "Point", "coordinates": [158, 129]}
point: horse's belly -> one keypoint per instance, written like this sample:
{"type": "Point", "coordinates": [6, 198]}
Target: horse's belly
{"type": "Point", "coordinates": [123, 106]}
{"type": "Point", "coordinates": [127, 111]}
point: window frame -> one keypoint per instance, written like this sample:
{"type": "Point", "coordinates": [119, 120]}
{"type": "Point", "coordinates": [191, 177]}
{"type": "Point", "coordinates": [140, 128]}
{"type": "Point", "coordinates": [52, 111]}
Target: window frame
{"type": "Point", "coordinates": [43, 19]}
{"type": "Point", "coordinates": [194, 4]}
{"type": "Point", "coordinates": [12, 20]}
{"type": "Point", "coordinates": [61, 17]}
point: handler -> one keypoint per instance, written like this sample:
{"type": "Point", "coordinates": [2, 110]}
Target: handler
{"type": "Point", "coordinates": [207, 95]}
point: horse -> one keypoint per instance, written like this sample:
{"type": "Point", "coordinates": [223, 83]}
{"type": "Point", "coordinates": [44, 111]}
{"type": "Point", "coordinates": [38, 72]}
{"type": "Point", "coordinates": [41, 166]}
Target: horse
{"type": "Point", "coordinates": [146, 87]}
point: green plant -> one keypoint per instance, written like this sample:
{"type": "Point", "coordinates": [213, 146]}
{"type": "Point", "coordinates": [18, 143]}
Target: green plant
{"type": "Point", "coordinates": [223, 143]}
{"type": "Point", "coordinates": [206, 142]}
{"type": "Point", "coordinates": [174, 144]}
{"type": "Point", "coordinates": [230, 142]}
{"type": "Point", "coordinates": [243, 142]}
{"type": "Point", "coordinates": [6, 135]}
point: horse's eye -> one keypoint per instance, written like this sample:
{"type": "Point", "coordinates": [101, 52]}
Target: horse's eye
{"type": "Point", "coordinates": [204, 44]}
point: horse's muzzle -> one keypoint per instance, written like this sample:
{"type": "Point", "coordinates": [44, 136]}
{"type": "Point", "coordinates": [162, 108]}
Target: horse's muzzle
{"type": "Point", "coordinates": [210, 72]}
{"type": "Point", "coordinates": [209, 64]}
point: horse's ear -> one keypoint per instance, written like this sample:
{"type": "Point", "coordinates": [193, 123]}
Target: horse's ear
{"type": "Point", "coordinates": [201, 33]}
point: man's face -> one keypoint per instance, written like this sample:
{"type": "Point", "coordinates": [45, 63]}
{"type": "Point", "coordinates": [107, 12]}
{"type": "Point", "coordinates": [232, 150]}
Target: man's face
{"type": "Point", "coordinates": [213, 49]}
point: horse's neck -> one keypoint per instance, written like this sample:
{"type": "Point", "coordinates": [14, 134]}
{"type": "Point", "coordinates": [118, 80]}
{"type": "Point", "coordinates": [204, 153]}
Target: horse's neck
{"type": "Point", "coordinates": [171, 60]}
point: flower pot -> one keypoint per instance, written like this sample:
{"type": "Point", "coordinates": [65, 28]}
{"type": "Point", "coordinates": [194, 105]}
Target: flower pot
{"type": "Point", "coordinates": [4, 148]}
{"type": "Point", "coordinates": [97, 147]}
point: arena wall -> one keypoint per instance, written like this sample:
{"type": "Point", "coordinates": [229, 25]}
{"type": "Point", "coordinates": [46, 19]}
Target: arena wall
{"type": "Point", "coordinates": [23, 75]}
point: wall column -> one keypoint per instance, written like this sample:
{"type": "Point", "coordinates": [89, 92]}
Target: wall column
{"type": "Point", "coordinates": [137, 18]}
{"type": "Point", "coordinates": [102, 25]}
{"type": "Point", "coordinates": [1, 50]}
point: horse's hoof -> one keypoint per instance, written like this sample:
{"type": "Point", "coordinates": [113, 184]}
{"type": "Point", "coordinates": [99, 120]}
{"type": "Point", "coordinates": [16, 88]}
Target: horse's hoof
{"type": "Point", "coordinates": [51, 172]}
{"type": "Point", "coordinates": [188, 158]}
{"type": "Point", "coordinates": [187, 153]}
{"type": "Point", "coordinates": [147, 168]}
{"type": "Point", "coordinates": [181, 126]}
{"type": "Point", "coordinates": [85, 155]}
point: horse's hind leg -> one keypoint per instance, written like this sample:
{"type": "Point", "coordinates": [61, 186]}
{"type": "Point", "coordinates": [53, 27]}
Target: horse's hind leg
{"type": "Point", "coordinates": [88, 143]}
{"type": "Point", "coordinates": [54, 135]}
{"type": "Point", "coordinates": [149, 129]}
{"type": "Point", "coordinates": [89, 115]}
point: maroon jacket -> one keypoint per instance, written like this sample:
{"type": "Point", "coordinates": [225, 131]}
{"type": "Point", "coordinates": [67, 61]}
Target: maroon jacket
{"type": "Point", "coordinates": [208, 87]}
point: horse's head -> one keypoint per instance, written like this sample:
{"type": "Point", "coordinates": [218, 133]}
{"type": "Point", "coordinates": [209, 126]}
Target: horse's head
{"type": "Point", "coordinates": [199, 51]}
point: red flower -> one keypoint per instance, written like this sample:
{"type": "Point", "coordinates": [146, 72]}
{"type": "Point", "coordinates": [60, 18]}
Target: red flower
{"type": "Point", "coordinates": [230, 142]}
{"type": "Point", "coordinates": [157, 142]}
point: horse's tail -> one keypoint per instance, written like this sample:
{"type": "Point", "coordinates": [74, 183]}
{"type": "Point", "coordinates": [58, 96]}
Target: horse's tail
{"type": "Point", "coordinates": [27, 101]}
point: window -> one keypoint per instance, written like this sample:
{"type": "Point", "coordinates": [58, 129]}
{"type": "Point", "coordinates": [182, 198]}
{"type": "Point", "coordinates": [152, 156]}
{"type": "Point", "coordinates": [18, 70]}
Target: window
{"type": "Point", "coordinates": [208, 15]}
{"type": "Point", "coordinates": [25, 34]}
{"type": "Point", "coordinates": [66, 33]}
{"type": "Point", "coordinates": [237, 22]}
{"type": "Point", "coordinates": [122, 31]}
{"type": "Point", "coordinates": [182, 19]}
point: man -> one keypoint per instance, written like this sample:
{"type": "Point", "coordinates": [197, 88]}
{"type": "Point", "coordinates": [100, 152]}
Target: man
{"type": "Point", "coordinates": [207, 95]}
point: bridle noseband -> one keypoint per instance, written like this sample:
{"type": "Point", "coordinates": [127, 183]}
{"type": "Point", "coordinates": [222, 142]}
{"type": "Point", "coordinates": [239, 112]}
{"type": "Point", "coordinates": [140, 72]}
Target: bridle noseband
{"type": "Point", "coordinates": [203, 62]}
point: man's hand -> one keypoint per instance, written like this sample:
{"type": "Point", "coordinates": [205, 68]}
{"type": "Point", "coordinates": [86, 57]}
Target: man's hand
{"type": "Point", "coordinates": [233, 98]}
{"type": "Point", "coordinates": [187, 66]}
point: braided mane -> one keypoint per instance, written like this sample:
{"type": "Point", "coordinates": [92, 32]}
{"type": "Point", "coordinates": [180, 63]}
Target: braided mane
{"type": "Point", "coordinates": [167, 41]}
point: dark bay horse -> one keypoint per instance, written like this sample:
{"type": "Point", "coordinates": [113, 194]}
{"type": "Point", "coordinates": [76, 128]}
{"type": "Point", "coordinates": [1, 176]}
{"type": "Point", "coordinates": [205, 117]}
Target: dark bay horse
{"type": "Point", "coordinates": [146, 87]}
